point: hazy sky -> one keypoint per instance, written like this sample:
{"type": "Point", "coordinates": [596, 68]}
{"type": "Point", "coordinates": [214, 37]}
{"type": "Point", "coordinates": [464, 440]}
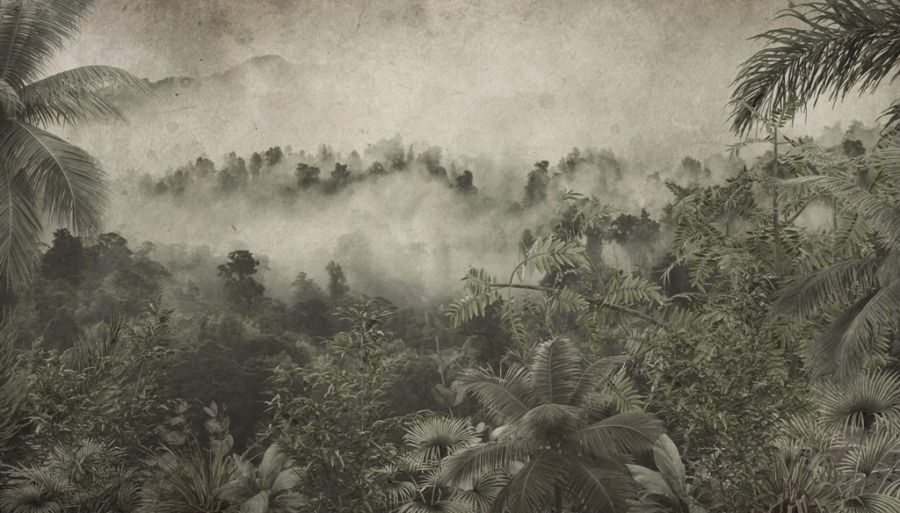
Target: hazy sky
{"type": "Point", "coordinates": [529, 77]}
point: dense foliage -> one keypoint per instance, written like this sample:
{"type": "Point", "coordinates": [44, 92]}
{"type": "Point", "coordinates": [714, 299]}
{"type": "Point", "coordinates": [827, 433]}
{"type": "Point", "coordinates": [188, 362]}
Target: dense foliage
{"type": "Point", "coordinates": [745, 359]}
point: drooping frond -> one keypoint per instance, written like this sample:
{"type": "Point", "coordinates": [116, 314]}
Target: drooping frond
{"type": "Point", "coordinates": [469, 465]}
{"type": "Point", "coordinates": [532, 488]}
{"type": "Point", "coordinates": [75, 96]}
{"type": "Point", "coordinates": [838, 47]}
{"type": "Point", "coordinates": [839, 283]}
{"type": "Point", "coordinates": [69, 183]}
{"type": "Point", "coordinates": [20, 228]}
{"type": "Point", "coordinates": [628, 432]}
{"type": "Point", "coordinates": [545, 422]}
{"type": "Point", "coordinates": [592, 374]}
{"type": "Point", "coordinates": [31, 31]}
{"type": "Point", "coordinates": [10, 103]}
{"type": "Point", "coordinates": [481, 292]}
{"type": "Point", "coordinates": [600, 487]}
{"type": "Point", "coordinates": [507, 398]}
{"type": "Point", "coordinates": [845, 346]}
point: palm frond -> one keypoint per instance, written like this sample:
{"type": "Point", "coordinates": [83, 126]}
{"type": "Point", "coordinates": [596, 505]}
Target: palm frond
{"type": "Point", "coordinates": [31, 31]}
{"type": "Point", "coordinates": [837, 47]}
{"type": "Point", "coordinates": [600, 488]}
{"type": "Point", "coordinates": [10, 103]}
{"type": "Point", "coordinates": [838, 283]}
{"type": "Point", "coordinates": [75, 96]}
{"type": "Point", "coordinates": [870, 454]}
{"type": "Point", "coordinates": [20, 228]}
{"type": "Point", "coordinates": [881, 215]}
{"type": "Point", "coordinates": [851, 339]}
{"type": "Point", "coordinates": [872, 503]}
{"type": "Point", "coordinates": [620, 390]}
{"type": "Point", "coordinates": [545, 422]}
{"type": "Point", "coordinates": [469, 465]}
{"type": "Point", "coordinates": [530, 490]}
{"type": "Point", "coordinates": [507, 397]}
{"type": "Point", "coordinates": [68, 182]}
{"type": "Point", "coordinates": [556, 366]}
{"type": "Point", "coordinates": [628, 432]}
{"type": "Point", "coordinates": [435, 438]}
{"type": "Point", "coordinates": [590, 377]}
{"type": "Point", "coordinates": [483, 492]}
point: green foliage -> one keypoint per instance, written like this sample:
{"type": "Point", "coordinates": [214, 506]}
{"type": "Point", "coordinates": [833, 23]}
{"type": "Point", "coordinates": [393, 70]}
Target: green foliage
{"type": "Point", "coordinates": [13, 392]}
{"type": "Point", "coordinates": [322, 411]}
{"type": "Point", "coordinates": [241, 290]}
{"type": "Point", "coordinates": [104, 387]}
{"type": "Point", "coordinates": [83, 476]}
{"type": "Point", "coordinates": [842, 456]}
{"type": "Point", "coordinates": [595, 300]}
{"type": "Point", "coordinates": [722, 379]}
{"type": "Point", "coordinates": [665, 491]}
{"type": "Point", "coordinates": [413, 480]}
{"type": "Point", "coordinates": [834, 47]}
{"type": "Point", "coordinates": [185, 475]}
{"type": "Point", "coordinates": [552, 438]}
{"type": "Point", "coordinates": [269, 487]}
{"type": "Point", "coordinates": [44, 175]}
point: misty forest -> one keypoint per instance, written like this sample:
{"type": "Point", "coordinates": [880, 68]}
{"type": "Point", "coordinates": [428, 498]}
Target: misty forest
{"type": "Point", "coordinates": [408, 256]}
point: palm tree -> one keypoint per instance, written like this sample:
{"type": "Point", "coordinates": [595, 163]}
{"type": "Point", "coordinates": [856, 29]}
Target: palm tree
{"type": "Point", "coordinates": [838, 46]}
{"type": "Point", "coordinates": [552, 438]}
{"type": "Point", "coordinates": [42, 175]}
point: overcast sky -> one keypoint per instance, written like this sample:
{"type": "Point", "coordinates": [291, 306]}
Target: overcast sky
{"type": "Point", "coordinates": [532, 76]}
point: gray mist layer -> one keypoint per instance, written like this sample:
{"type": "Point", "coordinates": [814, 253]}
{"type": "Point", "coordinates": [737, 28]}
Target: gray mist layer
{"type": "Point", "coordinates": [505, 82]}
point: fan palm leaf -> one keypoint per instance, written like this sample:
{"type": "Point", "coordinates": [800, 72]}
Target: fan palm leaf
{"type": "Point", "coordinates": [862, 401]}
{"type": "Point", "coordinates": [434, 438]}
{"type": "Point", "coordinates": [483, 493]}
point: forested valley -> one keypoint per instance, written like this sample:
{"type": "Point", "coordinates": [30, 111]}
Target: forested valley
{"type": "Point", "coordinates": [401, 328]}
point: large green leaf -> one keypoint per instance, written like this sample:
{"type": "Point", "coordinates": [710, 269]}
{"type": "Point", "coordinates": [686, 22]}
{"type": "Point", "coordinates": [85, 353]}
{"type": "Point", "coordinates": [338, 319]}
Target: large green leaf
{"type": "Point", "coordinates": [668, 460]}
